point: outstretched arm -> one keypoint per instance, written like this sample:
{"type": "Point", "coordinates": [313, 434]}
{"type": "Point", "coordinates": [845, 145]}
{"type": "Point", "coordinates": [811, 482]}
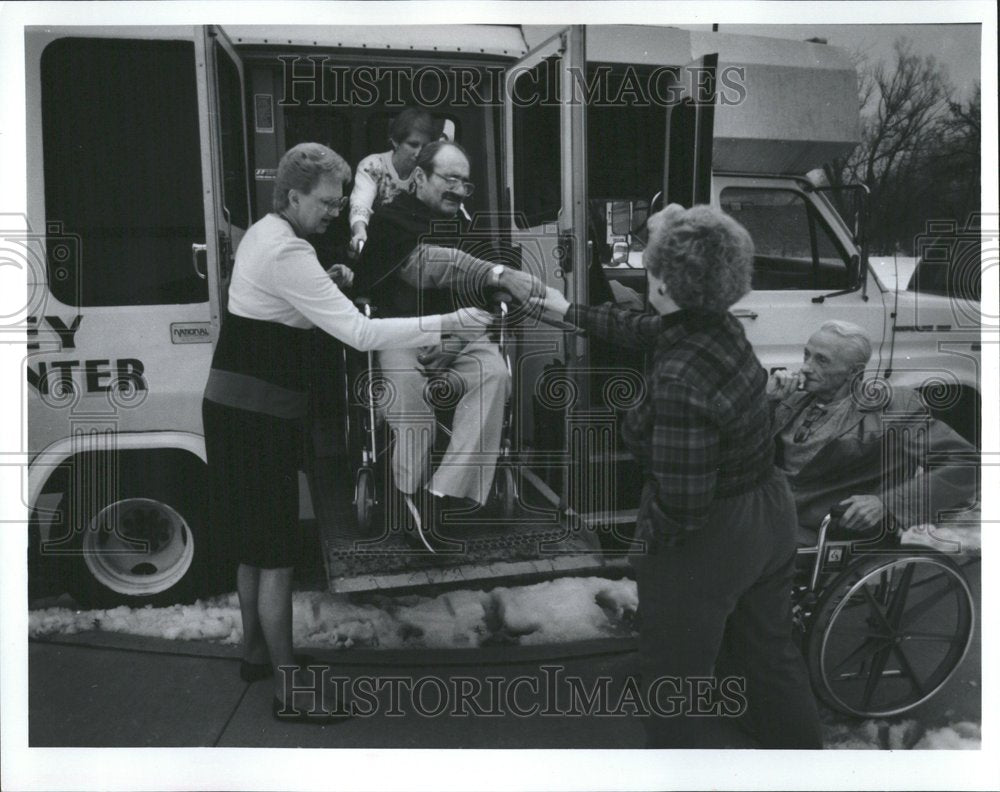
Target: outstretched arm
{"type": "Point", "coordinates": [435, 267]}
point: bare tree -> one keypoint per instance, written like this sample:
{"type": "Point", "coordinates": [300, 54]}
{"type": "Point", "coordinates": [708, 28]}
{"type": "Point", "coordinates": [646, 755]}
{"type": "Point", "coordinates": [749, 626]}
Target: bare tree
{"type": "Point", "coordinates": [903, 106]}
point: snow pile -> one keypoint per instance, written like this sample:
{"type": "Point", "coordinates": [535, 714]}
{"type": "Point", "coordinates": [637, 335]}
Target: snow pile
{"type": "Point", "coordinates": [217, 619]}
{"type": "Point", "coordinates": [567, 609]}
{"type": "Point", "coordinates": [964, 736]}
{"type": "Point", "coordinates": [905, 735]}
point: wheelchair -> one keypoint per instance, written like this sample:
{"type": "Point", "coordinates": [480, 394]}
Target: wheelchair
{"type": "Point", "coordinates": [883, 626]}
{"type": "Point", "coordinates": [370, 443]}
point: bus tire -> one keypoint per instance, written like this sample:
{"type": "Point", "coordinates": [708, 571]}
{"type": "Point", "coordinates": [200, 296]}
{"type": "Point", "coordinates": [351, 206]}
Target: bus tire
{"type": "Point", "coordinates": [147, 545]}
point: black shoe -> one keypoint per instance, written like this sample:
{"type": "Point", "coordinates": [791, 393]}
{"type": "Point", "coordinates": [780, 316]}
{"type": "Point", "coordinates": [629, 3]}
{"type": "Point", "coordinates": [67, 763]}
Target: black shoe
{"type": "Point", "coordinates": [255, 672]}
{"type": "Point", "coordinates": [287, 713]}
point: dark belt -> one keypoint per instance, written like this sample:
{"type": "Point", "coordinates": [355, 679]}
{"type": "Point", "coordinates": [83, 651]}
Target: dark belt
{"type": "Point", "coordinates": [250, 393]}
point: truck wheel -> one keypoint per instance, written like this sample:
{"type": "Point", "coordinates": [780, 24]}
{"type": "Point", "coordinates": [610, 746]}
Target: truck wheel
{"type": "Point", "coordinates": [147, 546]}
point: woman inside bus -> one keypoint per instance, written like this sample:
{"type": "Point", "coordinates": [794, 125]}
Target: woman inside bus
{"type": "Point", "coordinates": [716, 516]}
{"type": "Point", "coordinates": [381, 177]}
{"type": "Point", "coordinates": [255, 398]}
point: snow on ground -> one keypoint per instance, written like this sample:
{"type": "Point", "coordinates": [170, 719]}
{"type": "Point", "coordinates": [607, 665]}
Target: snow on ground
{"type": "Point", "coordinates": [902, 735]}
{"type": "Point", "coordinates": [557, 611]}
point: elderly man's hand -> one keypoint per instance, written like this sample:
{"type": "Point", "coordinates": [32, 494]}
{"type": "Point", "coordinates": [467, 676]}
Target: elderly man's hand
{"type": "Point", "coordinates": [342, 275]}
{"type": "Point", "coordinates": [864, 512]}
{"type": "Point", "coordinates": [782, 384]}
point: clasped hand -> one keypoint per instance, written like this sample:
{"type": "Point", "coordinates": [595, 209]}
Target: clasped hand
{"type": "Point", "coordinates": [341, 275]}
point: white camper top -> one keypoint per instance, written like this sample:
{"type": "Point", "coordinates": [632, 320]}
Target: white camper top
{"type": "Point", "coordinates": [800, 108]}
{"type": "Point", "coordinates": [497, 40]}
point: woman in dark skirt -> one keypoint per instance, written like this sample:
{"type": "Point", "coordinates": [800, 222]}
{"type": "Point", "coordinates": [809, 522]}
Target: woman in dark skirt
{"type": "Point", "coordinates": [255, 398]}
{"type": "Point", "coordinates": [717, 518]}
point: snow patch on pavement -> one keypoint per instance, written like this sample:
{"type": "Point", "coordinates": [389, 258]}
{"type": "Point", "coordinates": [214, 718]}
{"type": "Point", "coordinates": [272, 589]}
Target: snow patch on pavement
{"type": "Point", "coordinates": [875, 735]}
{"type": "Point", "coordinates": [557, 611]}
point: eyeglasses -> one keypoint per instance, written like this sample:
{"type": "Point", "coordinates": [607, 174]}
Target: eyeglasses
{"type": "Point", "coordinates": [812, 415]}
{"type": "Point", "coordinates": [453, 182]}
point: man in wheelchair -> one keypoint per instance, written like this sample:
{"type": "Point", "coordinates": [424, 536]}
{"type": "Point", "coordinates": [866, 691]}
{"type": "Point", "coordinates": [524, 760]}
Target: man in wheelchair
{"type": "Point", "coordinates": [869, 446]}
{"type": "Point", "coordinates": [406, 275]}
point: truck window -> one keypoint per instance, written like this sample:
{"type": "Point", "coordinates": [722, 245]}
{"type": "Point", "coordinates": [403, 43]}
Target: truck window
{"type": "Point", "coordinates": [123, 169]}
{"type": "Point", "coordinates": [794, 248]}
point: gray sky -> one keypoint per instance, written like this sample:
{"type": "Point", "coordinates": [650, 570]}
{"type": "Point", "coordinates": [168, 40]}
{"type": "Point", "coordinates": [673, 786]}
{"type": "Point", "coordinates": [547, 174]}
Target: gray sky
{"type": "Point", "coordinates": [957, 47]}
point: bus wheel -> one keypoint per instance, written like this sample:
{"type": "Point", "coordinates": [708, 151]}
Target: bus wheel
{"type": "Point", "coordinates": [147, 546]}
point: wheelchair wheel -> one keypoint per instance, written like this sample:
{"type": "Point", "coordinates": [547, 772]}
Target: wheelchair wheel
{"type": "Point", "coordinates": [364, 499]}
{"type": "Point", "coordinates": [506, 491]}
{"type": "Point", "coordinates": [888, 633]}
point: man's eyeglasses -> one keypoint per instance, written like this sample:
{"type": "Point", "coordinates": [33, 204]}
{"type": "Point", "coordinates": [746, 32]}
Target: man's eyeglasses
{"type": "Point", "coordinates": [454, 183]}
{"type": "Point", "coordinates": [812, 414]}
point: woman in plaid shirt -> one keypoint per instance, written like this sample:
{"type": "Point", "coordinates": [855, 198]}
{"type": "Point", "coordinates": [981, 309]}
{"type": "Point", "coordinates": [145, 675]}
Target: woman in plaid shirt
{"type": "Point", "coordinates": [717, 517]}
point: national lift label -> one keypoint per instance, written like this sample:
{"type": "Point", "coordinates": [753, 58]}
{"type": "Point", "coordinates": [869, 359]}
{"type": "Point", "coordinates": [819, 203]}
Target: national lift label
{"type": "Point", "coordinates": [191, 333]}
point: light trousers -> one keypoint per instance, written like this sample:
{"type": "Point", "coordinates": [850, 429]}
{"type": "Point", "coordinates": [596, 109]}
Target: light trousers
{"type": "Point", "coordinates": [467, 469]}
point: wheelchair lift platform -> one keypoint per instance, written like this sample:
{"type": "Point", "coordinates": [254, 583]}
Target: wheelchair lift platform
{"type": "Point", "coordinates": [538, 543]}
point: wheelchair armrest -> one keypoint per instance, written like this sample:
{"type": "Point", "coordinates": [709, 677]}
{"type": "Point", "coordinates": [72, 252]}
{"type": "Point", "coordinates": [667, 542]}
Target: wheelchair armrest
{"type": "Point", "coordinates": [836, 533]}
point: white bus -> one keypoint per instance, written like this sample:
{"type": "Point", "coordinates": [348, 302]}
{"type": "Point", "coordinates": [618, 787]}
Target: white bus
{"type": "Point", "coordinates": [152, 150]}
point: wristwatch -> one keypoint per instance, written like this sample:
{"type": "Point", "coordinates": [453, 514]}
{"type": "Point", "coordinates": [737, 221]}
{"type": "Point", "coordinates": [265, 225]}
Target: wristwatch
{"type": "Point", "coordinates": [495, 274]}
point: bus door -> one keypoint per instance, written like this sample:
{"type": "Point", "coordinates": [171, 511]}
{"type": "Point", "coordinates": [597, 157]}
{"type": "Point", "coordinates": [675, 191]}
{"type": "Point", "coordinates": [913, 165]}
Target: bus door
{"type": "Point", "coordinates": [124, 184]}
{"type": "Point", "coordinates": [224, 161]}
{"type": "Point", "coordinates": [687, 169]}
{"type": "Point", "coordinates": [545, 193]}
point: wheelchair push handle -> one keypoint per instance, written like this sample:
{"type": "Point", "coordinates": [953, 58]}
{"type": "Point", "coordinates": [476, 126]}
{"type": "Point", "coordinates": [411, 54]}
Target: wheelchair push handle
{"type": "Point", "coordinates": [500, 300]}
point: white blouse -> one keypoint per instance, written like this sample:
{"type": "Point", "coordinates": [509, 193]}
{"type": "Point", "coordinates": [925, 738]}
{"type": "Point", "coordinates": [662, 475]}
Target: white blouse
{"type": "Point", "coordinates": [277, 278]}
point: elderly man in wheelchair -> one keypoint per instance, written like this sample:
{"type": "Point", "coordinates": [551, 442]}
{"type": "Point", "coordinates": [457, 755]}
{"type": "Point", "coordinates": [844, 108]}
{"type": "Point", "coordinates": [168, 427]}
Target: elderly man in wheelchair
{"type": "Point", "coordinates": [885, 624]}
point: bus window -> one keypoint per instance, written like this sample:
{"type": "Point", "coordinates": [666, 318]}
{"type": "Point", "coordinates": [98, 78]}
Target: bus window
{"type": "Point", "coordinates": [537, 187]}
{"type": "Point", "coordinates": [234, 174]}
{"type": "Point", "coordinates": [318, 125]}
{"type": "Point", "coordinates": [123, 169]}
{"type": "Point", "coordinates": [793, 247]}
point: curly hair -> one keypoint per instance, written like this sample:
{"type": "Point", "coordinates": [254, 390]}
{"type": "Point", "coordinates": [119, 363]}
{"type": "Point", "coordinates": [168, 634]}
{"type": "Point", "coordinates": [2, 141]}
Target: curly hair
{"type": "Point", "coordinates": [301, 168]}
{"type": "Point", "coordinates": [703, 257]}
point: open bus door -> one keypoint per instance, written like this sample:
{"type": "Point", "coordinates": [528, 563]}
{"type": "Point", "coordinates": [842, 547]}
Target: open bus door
{"type": "Point", "coordinates": [687, 168]}
{"type": "Point", "coordinates": [224, 156]}
{"type": "Point", "coordinates": [545, 179]}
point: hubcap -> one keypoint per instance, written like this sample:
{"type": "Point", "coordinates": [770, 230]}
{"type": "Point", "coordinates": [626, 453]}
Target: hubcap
{"type": "Point", "coordinates": [138, 547]}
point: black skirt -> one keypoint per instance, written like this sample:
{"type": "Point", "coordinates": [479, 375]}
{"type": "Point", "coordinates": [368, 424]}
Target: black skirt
{"type": "Point", "coordinates": [253, 476]}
